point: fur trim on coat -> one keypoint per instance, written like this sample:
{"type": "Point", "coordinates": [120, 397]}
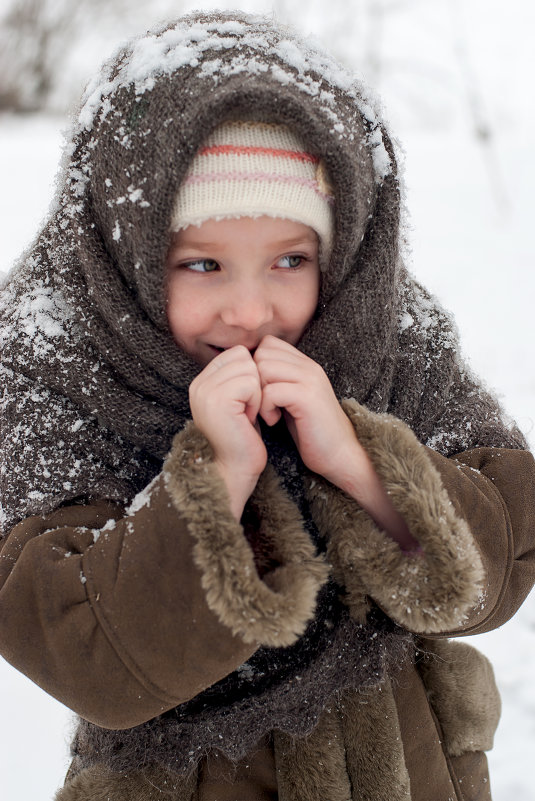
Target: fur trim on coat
{"type": "Point", "coordinates": [429, 590]}
{"type": "Point", "coordinates": [273, 611]}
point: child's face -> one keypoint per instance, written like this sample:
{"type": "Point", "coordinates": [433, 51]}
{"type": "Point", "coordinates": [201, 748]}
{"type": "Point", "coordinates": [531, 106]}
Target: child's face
{"type": "Point", "coordinates": [231, 282]}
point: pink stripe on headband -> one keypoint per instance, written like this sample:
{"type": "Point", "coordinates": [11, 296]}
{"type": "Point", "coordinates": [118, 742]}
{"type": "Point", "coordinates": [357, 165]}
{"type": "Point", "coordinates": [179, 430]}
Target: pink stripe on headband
{"type": "Point", "coordinates": [219, 150]}
{"type": "Point", "coordinates": [257, 176]}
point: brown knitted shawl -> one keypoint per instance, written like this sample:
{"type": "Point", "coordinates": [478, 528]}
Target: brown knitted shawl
{"type": "Point", "coordinates": [94, 387]}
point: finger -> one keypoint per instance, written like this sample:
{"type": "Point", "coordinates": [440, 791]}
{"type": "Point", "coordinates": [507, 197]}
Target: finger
{"type": "Point", "coordinates": [242, 393]}
{"type": "Point", "coordinates": [276, 397]}
{"type": "Point", "coordinates": [235, 355]}
{"type": "Point", "coordinates": [274, 370]}
{"type": "Point", "coordinates": [272, 350]}
{"type": "Point", "coordinates": [270, 341]}
{"type": "Point", "coordinates": [234, 389]}
{"type": "Point", "coordinates": [270, 415]}
{"type": "Point", "coordinates": [271, 346]}
{"type": "Point", "coordinates": [223, 368]}
{"type": "Point", "coordinates": [252, 405]}
{"type": "Point", "coordinates": [308, 376]}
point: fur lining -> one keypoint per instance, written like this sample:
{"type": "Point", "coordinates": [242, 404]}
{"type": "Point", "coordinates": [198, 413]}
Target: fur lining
{"type": "Point", "coordinates": [462, 690]}
{"type": "Point", "coordinates": [313, 768]}
{"type": "Point", "coordinates": [99, 783]}
{"type": "Point", "coordinates": [426, 591]}
{"type": "Point", "coordinates": [360, 733]}
{"type": "Point", "coordinates": [272, 611]}
{"type": "Point", "coordinates": [375, 756]}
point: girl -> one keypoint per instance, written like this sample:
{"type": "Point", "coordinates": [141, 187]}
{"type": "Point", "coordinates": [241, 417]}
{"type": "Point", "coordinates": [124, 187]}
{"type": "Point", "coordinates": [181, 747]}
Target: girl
{"type": "Point", "coordinates": [248, 488]}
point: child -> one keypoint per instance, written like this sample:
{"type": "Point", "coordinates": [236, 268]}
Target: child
{"type": "Point", "coordinates": [248, 488]}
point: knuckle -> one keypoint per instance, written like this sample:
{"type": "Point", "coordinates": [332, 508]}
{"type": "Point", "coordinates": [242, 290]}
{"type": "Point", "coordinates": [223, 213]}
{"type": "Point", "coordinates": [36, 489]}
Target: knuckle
{"type": "Point", "coordinates": [242, 351]}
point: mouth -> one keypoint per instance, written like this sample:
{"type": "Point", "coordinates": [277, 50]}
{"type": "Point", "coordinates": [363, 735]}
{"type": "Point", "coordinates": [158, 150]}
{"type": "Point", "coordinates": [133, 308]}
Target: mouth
{"type": "Point", "coordinates": [218, 349]}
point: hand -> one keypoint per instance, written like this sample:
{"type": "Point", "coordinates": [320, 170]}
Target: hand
{"type": "Point", "coordinates": [322, 432]}
{"type": "Point", "coordinates": [298, 385]}
{"type": "Point", "coordinates": [225, 400]}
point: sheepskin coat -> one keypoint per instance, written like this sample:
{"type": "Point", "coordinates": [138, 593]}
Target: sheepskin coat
{"type": "Point", "coordinates": [419, 734]}
{"type": "Point", "coordinates": [136, 589]}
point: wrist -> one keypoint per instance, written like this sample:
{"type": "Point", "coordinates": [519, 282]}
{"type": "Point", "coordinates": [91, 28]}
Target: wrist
{"type": "Point", "coordinates": [358, 478]}
{"type": "Point", "coordinates": [239, 486]}
{"type": "Point", "coordinates": [351, 471]}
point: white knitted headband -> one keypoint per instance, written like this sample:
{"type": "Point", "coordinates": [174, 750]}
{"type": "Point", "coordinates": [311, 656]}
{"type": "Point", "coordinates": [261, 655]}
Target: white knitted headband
{"type": "Point", "coordinates": [248, 169]}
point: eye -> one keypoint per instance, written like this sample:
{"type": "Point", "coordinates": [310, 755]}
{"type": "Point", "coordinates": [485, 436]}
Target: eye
{"type": "Point", "coordinates": [291, 262]}
{"type": "Point", "coordinates": [201, 266]}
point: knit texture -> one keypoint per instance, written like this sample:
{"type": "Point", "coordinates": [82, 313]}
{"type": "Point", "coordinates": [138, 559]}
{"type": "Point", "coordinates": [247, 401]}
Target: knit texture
{"type": "Point", "coordinates": [248, 169]}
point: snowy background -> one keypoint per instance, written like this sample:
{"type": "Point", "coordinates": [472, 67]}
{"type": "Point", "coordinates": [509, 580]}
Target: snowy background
{"type": "Point", "coordinates": [457, 81]}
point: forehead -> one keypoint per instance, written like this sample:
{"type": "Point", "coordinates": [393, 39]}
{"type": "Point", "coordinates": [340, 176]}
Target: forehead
{"type": "Point", "coordinates": [257, 232]}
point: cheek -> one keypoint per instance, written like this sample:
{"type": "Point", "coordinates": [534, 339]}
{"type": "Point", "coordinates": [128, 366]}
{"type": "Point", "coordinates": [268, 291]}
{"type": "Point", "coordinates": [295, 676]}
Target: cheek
{"type": "Point", "coordinates": [308, 299]}
{"type": "Point", "coordinates": [180, 314]}
{"type": "Point", "coordinates": [191, 311]}
{"type": "Point", "coordinates": [300, 306]}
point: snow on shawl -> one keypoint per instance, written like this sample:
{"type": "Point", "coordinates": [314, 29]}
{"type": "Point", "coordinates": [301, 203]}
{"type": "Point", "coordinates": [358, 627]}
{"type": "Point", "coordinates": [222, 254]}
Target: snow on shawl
{"type": "Point", "coordinates": [93, 385]}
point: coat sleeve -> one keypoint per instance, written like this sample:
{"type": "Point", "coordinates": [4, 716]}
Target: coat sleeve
{"type": "Point", "coordinates": [473, 516]}
{"type": "Point", "coordinates": [123, 615]}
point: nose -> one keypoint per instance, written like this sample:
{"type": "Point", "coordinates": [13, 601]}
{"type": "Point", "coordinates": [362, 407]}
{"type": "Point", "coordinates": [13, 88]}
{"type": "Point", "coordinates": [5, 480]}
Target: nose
{"type": "Point", "coordinates": [246, 305]}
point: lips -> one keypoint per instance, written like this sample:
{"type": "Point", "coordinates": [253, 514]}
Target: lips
{"type": "Point", "coordinates": [220, 348]}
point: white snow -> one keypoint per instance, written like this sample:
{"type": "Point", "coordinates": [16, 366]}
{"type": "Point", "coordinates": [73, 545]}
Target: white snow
{"type": "Point", "coordinates": [41, 311]}
{"type": "Point", "coordinates": [471, 245]}
{"type": "Point", "coordinates": [180, 47]}
{"type": "Point", "coordinates": [143, 498]}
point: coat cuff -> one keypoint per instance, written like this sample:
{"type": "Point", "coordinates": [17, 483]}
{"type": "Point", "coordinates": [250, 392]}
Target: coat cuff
{"type": "Point", "coordinates": [273, 610]}
{"type": "Point", "coordinates": [427, 591]}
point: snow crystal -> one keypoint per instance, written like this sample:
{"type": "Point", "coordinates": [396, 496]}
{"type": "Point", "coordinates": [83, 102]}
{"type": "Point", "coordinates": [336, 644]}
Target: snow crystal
{"type": "Point", "coordinates": [109, 525]}
{"type": "Point", "coordinates": [380, 157]}
{"type": "Point", "coordinates": [143, 498]}
{"type": "Point", "coordinates": [93, 99]}
{"type": "Point", "coordinates": [135, 195]}
{"type": "Point", "coordinates": [291, 54]}
{"type": "Point", "coordinates": [406, 321]}
{"type": "Point", "coordinates": [41, 311]}
{"type": "Point", "coordinates": [78, 181]}
{"type": "Point", "coordinates": [246, 671]}
{"type": "Point", "coordinates": [75, 469]}
{"type": "Point", "coordinates": [211, 67]}
{"type": "Point", "coordinates": [426, 314]}
{"type": "Point", "coordinates": [283, 76]}
{"type": "Point", "coordinates": [438, 442]}
{"type": "Point", "coordinates": [117, 231]}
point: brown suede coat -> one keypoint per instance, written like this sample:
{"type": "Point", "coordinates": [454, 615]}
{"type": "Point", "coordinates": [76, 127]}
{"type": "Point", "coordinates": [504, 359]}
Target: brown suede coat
{"type": "Point", "coordinates": [153, 604]}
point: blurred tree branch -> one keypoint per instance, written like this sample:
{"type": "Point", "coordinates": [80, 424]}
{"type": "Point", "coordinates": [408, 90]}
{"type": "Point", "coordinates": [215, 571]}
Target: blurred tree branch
{"type": "Point", "coordinates": [38, 36]}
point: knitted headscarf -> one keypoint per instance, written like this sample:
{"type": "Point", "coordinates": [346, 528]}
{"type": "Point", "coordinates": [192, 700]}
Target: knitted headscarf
{"type": "Point", "coordinates": [94, 386]}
